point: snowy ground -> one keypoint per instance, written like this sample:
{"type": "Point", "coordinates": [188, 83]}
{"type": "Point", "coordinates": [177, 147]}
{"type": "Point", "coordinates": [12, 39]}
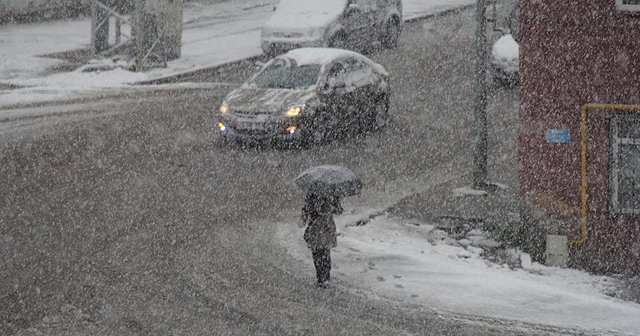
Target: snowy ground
{"type": "Point", "coordinates": [416, 263]}
{"type": "Point", "coordinates": [213, 34]}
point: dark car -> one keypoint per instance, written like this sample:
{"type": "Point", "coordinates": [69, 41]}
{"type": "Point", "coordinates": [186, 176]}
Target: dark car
{"type": "Point", "coordinates": [347, 24]}
{"type": "Point", "coordinates": [307, 95]}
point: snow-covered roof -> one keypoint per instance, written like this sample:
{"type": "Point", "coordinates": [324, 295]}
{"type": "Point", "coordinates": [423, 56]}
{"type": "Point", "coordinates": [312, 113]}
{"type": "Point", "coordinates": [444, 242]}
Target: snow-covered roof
{"type": "Point", "coordinates": [307, 56]}
{"type": "Point", "coordinates": [298, 14]}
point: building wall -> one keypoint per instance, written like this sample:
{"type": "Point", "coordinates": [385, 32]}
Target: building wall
{"type": "Point", "coordinates": [575, 52]}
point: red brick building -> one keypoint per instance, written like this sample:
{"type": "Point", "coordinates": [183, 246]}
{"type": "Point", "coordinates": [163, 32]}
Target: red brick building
{"type": "Point", "coordinates": [579, 127]}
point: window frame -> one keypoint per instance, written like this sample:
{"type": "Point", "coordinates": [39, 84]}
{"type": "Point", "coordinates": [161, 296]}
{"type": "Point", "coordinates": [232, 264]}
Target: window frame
{"type": "Point", "coordinates": [614, 164]}
{"type": "Point", "coordinates": [621, 6]}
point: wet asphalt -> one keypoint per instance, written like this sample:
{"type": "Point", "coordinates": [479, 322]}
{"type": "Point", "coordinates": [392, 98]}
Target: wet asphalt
{"type": "Point", "coordinates": [127, 215]}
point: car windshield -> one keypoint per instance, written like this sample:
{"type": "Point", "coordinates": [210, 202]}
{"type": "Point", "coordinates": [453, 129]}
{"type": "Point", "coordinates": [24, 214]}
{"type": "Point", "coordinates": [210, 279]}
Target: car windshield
{"type": "Point", "coordinates": [284, 75]}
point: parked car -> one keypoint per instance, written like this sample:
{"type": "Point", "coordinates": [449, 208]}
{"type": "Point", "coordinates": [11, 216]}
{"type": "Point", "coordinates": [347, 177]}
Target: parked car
{"type": "Point", "coordinates": [347, 24]}
{"type": "Point", "coordinates": [307, 95]}
{"type": "Point", "coordinates": [505, 53]}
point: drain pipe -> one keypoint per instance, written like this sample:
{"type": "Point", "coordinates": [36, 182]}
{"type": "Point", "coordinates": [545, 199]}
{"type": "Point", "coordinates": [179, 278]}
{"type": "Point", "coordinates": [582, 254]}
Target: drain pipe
{"type": "Point", "coordinates": [583, 159]}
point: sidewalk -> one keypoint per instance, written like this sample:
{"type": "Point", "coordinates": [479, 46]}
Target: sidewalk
{"type": "Point", "coordinates": [456, 206]}
{"type": "Point", "coordinates": [430, 250]}
{"type": "Point", "coordinates": [213, 35]}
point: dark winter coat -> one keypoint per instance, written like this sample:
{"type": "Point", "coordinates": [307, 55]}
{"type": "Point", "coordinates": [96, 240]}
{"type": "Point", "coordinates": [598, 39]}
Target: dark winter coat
{"type": "Point", "coordinates": [321, 232]}
{"type": "Point", "coordinates": [318, 215]}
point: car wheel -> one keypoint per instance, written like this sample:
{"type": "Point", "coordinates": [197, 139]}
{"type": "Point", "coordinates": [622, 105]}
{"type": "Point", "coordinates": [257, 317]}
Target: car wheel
{"type": "Point", "coordinates": [391, 34]}
{"type": "Point", "coordinates": [380, 118]}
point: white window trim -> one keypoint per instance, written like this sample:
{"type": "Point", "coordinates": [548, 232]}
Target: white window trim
{"type": "Point", "coordinates": [629, 8]}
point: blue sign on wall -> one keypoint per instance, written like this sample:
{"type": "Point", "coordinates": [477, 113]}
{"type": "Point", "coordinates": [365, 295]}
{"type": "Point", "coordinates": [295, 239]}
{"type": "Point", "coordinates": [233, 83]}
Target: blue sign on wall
{"type": "Point", "coordinates": [558, 135]}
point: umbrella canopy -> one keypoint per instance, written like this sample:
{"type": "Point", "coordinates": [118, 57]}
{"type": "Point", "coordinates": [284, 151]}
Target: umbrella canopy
{"type": "Point", "coordinates": [329, 180]}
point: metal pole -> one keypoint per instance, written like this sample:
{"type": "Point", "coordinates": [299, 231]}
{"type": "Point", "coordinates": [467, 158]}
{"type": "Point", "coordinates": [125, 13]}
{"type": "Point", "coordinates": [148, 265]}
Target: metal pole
{"type": "Point", "coordinates": [140, 35]}
{"type": "Point", "coordinates": [118, 30]}
{"type": "Point", "coordinates": [99, 30]}
{"type": "Point", "coordinates": [480, 110]}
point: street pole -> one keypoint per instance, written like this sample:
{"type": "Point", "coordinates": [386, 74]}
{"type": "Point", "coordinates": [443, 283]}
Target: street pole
{"type": "Point", "coordinates": [480, 109]}
{"type": "Point", "coordinates": [139, 32]}
{"type": "Point", "coordinates": [99, 28]}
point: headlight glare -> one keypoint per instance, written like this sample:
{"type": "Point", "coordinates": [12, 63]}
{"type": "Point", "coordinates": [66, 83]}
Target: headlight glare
{"type": "Point", "coordinates": [224, 108]}
{"type": "Point", "coordinates": [294, 111]}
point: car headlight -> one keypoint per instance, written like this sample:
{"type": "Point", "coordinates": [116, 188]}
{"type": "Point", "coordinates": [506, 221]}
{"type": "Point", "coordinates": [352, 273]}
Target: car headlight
{"type": "Point", "coordinates": [294, 111]}
{"type": "Point", "coordinates": [224, 108]}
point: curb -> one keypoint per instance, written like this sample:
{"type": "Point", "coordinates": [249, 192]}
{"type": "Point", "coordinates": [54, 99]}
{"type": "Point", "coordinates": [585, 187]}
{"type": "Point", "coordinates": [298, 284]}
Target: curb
{"type": "Point", "coordinates": [440, 13]}
{"type": "Point", "coordinates": [207, 69]}
{"type": "Point", "coordinates": [130, 91]}
{"type": "Point", "coordinates": [201, 71]}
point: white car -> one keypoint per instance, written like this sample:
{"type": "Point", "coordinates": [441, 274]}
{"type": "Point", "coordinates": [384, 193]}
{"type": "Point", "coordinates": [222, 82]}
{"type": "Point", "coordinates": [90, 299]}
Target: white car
{"type": "Point", "coordinates": [505, 60]}
{"type": "Point", "coordinates": [346, 24]}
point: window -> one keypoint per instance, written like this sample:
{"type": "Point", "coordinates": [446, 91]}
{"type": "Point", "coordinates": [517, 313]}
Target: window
{"type": "Point", "coordinates": [628, 5]}
{"type": "Point", "coordinates": [338, 73]}
{"type": "Point", "coordinates": [625, 165]}
{"type": "Point", "coordinates": [359, 72]}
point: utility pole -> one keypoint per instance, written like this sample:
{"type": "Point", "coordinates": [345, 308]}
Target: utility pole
{"type": "Point", "coordinates": [138, 32]}
{"type": "Point", "coordinates": [480, 109]}
{"type": "Point", "coordinates": [99, 27]}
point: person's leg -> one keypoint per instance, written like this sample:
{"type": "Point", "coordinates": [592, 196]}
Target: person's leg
{"type": "Point", "coordinates": [326, 265]}
{"type": "Point", "coordinates": [317, 262]}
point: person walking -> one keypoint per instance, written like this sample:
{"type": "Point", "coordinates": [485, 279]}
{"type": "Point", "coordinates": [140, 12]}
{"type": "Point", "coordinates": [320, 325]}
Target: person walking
{"type": "Point", "coordinates": [321, 234]}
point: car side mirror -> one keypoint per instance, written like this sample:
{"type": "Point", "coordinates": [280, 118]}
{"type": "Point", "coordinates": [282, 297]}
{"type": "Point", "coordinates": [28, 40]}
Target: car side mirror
{"type": "Point", "coordinates": [331, 84]}
{"type": "Point", "coordinates": [326, 89]}
{"type": "Point", "coordinates": [334, 83]}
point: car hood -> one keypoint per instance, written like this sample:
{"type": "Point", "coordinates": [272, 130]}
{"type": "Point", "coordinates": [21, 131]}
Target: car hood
{"type": "Point", "coordinates": [255, 100]}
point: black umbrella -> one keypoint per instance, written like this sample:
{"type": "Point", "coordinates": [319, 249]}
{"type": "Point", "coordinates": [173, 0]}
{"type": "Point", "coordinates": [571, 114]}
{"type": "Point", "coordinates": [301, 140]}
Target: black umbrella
{"type": "Point", "coordinates": [329, 180]}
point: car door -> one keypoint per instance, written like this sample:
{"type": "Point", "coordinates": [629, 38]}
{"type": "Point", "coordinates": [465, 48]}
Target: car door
{"type": "Point", "coordinates": [357, 22]}
{"type": "Point", "coordinates": [333, 97]}
{"type": "Point", "coordinates": [362, 81]}
{"type": "Point", "coordinates": [376, 20]}
{"type": "Point", "coordinates": [340, 96]}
